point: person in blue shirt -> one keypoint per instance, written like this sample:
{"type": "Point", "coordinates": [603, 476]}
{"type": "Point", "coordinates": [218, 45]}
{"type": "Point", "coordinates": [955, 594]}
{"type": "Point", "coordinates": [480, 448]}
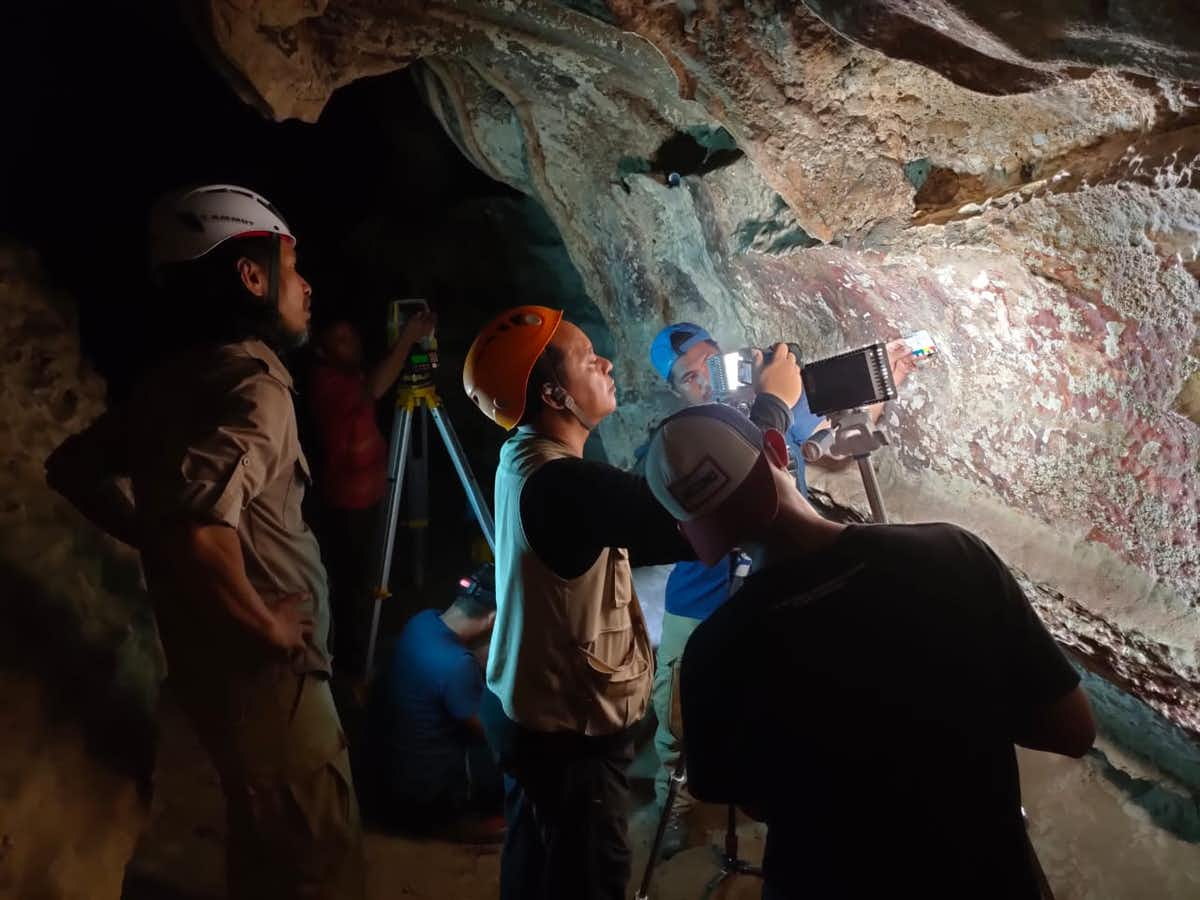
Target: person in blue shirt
{"type": "Point", "coordinates": [428, 760]}
{"type": "Point", "coordinates": [680, 354]}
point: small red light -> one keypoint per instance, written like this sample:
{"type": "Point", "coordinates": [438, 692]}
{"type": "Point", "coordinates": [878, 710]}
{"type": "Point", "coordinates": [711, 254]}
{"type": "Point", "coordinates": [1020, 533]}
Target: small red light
{"type": "Point", "coordinates": [464, 582]}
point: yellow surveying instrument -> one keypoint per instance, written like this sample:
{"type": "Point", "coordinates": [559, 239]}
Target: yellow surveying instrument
{"type": "Point", "coordinates": [416, 400]}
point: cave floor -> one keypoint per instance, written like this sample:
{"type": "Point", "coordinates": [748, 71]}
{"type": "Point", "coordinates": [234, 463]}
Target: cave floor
{"type": "Point", "coordinates": [180, 856]}
{"type": "Point", "coordinates": [1094, 843]}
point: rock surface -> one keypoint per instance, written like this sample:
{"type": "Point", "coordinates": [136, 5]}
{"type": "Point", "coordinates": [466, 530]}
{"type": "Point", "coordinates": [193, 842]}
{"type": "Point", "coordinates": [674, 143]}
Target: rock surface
{"type": "Point", "coordinates": [1019, 181]}
{"type": "Point", "coordinates": [1000, 48]}
{"type": "Point", "coordinates": [1023, 187]}
{"type": "Point", "coordinates": [79, 663]}
{"type": "Point", "coordinates": [1047, 233]}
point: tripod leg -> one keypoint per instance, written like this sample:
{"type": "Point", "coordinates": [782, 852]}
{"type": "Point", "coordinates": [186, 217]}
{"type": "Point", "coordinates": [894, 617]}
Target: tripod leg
{"type": "Point", "coordinates": [416, 495]}
{"type": "Point", "coordinates": [397, 457]}
{"type": "Point", "coordinates": [731, 838]}
{"type": "Point", "coordinates": [871, 484]}
{"type": "Point", "coordinates": [479, 505]}
{"type": "Point", "coordinates": [678, 777]}
{"type": "Point", "coordinates": [731, 862]}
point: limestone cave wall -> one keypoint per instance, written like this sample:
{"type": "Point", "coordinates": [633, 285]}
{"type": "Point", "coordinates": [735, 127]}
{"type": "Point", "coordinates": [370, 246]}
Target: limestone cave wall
{"type": "Point", "coordinates": [1020, 182]}
{"type": "Point", "coordinates": [1029, 200]}
{"type": "Point", "coordinates": [79, 658]}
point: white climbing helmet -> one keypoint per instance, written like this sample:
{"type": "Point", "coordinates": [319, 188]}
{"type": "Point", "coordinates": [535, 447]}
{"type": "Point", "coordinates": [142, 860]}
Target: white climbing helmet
{"type": "Point", "coordinates": [186, 224]}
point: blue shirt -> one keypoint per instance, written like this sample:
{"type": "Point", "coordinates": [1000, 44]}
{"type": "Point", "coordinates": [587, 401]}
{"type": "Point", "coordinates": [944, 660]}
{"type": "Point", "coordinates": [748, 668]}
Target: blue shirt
{"type": "Point", "coordinates": [429, 686]}
{"type": "Point", "coordinates": [804, 423]}
{"type": "Point", "coordinates": [696, 590]}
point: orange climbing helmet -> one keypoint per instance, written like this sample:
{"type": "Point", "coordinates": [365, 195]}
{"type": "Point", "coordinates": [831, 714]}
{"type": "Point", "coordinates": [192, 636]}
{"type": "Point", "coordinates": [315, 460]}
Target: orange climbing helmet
{"type": "Point", "coordinates": [500, 361]}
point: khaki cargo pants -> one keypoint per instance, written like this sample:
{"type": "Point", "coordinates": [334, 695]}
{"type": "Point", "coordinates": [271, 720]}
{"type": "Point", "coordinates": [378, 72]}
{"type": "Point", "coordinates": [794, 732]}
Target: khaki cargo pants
{"type": "Point", "coordinates": [668, 737]}
{"type": "Point", "coordinates": [293, 822]}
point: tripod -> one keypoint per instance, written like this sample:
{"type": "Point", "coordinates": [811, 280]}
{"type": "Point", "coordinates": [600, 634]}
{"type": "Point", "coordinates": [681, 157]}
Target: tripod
{"type": "Point", "coordinates": [419, 398]}
{"type": "Point", "coordinates": [727, 860]}
{"type": "Point", "coordinates": [851, 433]}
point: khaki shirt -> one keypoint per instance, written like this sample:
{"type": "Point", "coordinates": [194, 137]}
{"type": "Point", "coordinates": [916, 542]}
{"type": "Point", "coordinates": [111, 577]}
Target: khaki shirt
{"type": "Point", "coordinates": [211, 436]}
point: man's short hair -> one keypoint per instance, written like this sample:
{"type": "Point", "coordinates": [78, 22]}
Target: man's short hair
{"type": "Point", "coordinates": [475, 597]}
{"type": "Point", "coordinates": [225, 309]}
{"type": "Point", "coordinates": [707, 467]}
{"type": "Point", "coordinates": [215, 273]}
{"type": "Point", "coordinates": [545, 371]}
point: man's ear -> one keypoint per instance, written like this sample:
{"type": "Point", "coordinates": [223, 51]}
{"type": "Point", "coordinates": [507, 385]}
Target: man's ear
{"type": "Point", "coordinates": [253, 276]}
{"type": "Point", "coordinates": [554, 396]}
{"type": "Point", "coordinates": [776, 448]}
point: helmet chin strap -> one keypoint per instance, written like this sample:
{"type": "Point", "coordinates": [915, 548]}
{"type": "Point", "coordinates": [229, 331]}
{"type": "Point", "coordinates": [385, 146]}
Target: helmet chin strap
{"type": "Point", "coordinates": [561, 395]}
{"type": "Point", "coordinates": [570, 404]}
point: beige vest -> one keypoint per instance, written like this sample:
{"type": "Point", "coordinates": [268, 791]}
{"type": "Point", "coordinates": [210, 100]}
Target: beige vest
{"type": "Point", "coordinates": [567, 654]}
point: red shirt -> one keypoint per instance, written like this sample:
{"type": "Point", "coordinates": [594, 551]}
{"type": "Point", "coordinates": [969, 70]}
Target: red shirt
{"type": "Point", "coordinates": [354, 473]}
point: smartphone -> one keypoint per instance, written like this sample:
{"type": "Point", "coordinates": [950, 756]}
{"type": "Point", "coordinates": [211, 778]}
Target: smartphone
{"type": "Point", "coordinates": [921, 345]}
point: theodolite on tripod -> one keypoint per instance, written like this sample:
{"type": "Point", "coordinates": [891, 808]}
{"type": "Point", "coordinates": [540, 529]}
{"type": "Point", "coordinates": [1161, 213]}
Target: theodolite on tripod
{"type": "Point", "coordinates": [416, 394]}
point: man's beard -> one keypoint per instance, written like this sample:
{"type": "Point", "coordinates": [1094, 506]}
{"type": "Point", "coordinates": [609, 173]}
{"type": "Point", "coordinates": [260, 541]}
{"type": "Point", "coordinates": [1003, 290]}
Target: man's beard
{"type": "Point", "coordinates": [294, 341]}
{"type": "Point", "coordinates": [270, 328]}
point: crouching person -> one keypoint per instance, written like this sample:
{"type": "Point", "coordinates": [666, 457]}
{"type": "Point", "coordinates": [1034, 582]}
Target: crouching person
{"type": "Point", "coordinates": [426, 756]}
{"type": "Point", "coordinates": [862, 693]}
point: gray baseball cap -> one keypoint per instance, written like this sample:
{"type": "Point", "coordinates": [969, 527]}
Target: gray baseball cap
{"type": "Point", "coordinates": [706, 466]}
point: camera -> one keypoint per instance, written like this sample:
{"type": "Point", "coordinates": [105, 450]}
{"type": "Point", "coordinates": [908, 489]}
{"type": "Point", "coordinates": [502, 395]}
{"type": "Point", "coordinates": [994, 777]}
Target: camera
{"type": "Point", "coordinates": [849, 380]}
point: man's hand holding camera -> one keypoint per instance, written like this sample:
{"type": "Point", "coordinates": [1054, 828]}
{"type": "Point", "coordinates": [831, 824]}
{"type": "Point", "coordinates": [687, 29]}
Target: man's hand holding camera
{"type": "Point", "coordinates": [780, 376]}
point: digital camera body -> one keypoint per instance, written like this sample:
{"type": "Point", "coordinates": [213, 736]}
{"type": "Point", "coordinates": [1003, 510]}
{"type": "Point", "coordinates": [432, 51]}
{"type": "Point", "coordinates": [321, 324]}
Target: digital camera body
{"type": "Point", "coordinates": [847, 381]}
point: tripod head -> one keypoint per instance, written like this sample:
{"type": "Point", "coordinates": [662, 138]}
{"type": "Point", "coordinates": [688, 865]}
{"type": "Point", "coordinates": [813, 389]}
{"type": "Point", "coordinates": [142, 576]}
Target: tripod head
{"type": "Point", "coordinates": [851, 435]}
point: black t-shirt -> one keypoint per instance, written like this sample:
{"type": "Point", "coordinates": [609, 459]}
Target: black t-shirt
{"type": "Point", "coordinates": [864, 700]}
{"type": "Point", "coordinates": [572, 509]}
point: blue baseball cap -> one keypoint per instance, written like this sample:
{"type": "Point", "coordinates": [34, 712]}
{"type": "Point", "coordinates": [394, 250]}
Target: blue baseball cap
{"type": "Point", "coordinates": [672, 342]}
